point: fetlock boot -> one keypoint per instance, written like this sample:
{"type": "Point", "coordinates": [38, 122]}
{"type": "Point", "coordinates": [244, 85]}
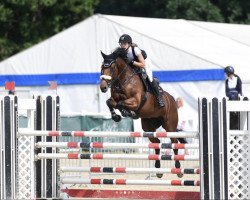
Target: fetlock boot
{"type": "Point", "coordinates": [157, 94]}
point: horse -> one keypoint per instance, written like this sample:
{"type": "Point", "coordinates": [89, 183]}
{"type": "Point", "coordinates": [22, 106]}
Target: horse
{"type": "Point", "coordinates": [129, 96]}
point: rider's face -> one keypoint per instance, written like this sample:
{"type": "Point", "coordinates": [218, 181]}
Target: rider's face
{"type": "Point", "coordinates": [230, 75]}
{"type": "Point", "coordinates": [124, 45]}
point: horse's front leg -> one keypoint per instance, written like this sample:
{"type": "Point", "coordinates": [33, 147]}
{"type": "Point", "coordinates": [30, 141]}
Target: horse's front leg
{"type": "Point", "coordinates": [124, 111]}
{"type": "Point", "coordinates": [128, 105]}
{"type": "Point", "coordinates": [111, 103]}
{"type": "Point", "coordinates": [125, 107]}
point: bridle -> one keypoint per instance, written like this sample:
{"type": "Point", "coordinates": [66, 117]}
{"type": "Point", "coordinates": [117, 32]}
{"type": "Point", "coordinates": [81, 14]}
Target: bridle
{"type": "Point", "coordinates": [107, 63]}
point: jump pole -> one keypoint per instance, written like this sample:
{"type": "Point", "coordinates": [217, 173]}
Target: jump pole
{"type": "Point", "coordinates": [128, 170]}
{"type": "Point", "coordinates": [70, 180]}
{"type": "Point", "coordinates": [88, 145]}
{"type": "Point", "coordinates": [25, 132]}
{"type": "Point", "coordinates": [115, 156]}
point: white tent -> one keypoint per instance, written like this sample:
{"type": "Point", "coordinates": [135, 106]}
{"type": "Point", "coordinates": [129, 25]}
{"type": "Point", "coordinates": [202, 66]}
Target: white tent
{"type": "Point", "coordinates": [188, 57]}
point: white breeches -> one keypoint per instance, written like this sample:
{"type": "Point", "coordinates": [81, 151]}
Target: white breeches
{"type": "Point", "coordinates": [148, 69]}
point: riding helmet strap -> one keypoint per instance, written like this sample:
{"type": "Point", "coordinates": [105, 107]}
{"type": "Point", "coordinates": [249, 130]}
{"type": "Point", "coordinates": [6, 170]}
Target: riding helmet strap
{"type": "Point", "coordinates": [133, 51]}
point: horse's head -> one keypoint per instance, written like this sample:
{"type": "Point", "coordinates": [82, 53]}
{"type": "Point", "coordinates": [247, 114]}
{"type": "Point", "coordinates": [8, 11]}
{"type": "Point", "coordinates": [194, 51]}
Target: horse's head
{"type": "Point", "coordinates": [111, 67]}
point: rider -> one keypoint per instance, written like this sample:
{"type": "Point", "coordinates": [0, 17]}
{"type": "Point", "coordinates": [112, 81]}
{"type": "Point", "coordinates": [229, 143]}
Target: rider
{"type": "Point", "coordinates": [233, 84]}
{"type": "Point", "coordinates": [125, 42]}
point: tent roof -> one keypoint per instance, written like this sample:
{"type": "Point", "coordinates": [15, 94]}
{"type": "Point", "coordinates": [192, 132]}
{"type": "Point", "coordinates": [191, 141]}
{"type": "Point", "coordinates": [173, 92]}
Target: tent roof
{"type": "Point", "coordinates": [177, 46]}
{"type": "Point", "coordinates": [218, 43]}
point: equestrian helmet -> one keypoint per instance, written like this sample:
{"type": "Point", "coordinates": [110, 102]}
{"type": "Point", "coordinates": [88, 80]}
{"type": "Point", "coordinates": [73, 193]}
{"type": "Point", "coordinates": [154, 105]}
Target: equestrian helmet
{"type": "Point", "coordinates": [229, 70]}
{"type": "Point", "coordinates": [125, 38]}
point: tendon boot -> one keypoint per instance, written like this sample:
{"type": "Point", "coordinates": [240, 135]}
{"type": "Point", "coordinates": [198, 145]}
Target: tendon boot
{"type": "Point", "coordinates": [157, 94]}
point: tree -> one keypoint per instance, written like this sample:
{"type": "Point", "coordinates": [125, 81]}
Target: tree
{"type": "Point", "coordinates": [173, 9]}
{"type": "Point", "coordinates": [234, 11]}
{"type": "Point", "coordinates": [24, 22]}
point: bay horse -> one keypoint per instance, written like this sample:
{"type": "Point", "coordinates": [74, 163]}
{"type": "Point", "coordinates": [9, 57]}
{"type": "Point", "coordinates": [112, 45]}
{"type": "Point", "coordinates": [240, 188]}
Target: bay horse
{"type": "Point", "coordinates": [129, 96]}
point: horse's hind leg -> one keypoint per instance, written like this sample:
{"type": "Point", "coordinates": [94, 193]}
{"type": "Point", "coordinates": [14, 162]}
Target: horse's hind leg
{"type": "Point", "coordinates": [177, 162]}
{"type": "Point", "coordinates": [174, 140]}
{"type": "Point", "coordinates": [157, 152]}
{"type": "Point", "coordinates": [151, 125]}
{"type": "Point", "coordinates": [183, 141]}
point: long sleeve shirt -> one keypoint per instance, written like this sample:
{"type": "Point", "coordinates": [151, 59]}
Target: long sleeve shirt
{"type": "Point", "coordinates": [233, 87]}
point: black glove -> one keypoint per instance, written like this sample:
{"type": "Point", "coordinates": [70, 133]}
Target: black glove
{"type": "Point", "coordinates": [131, 62]}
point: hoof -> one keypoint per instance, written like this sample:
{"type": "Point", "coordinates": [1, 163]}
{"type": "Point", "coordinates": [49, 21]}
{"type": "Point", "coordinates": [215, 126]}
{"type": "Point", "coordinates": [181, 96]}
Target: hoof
{"type": "Point", "coordinates": [159, 175]}
{"type": "Point", "coordinates": [125, 113]}
{"type": "Point", "coordinates": [177, 164]}
{"type": "Point", "coordinates": [157, 164]}
{"type": "Point", "coordinates": [180, 175]}
{"type": "Point", "coordinates": [134, 115]}
{"type": "Point", "coordinates": [116, 118]}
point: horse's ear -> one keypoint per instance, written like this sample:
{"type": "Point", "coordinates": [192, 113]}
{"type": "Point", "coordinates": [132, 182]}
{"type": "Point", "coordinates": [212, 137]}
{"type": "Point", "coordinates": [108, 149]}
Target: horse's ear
{"type": "Point", "coordinates": [103, 55]}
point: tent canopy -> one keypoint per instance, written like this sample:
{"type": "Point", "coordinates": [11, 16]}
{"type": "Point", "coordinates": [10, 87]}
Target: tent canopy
{"type": "Point", "coordinates": [188, 57]}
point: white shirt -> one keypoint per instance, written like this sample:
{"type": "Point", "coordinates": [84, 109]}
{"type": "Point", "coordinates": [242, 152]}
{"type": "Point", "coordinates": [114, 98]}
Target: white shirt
{"type": "Point", "coordinates": [130, 53]}
{"type": "Point", "coordinates": [148, 63]}
{"type": "Point", "coordinates": [232, 82]}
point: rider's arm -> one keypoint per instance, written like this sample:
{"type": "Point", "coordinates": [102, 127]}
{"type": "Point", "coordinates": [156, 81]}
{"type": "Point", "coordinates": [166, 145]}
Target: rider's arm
{"type": "Point", "coordinates": [226, 88]}
{"type": "Point", "coordinates": [141, 62]}
{"type": "Point", "coordinates": [239, 85]}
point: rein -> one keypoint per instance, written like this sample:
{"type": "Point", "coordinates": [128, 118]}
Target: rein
{"type": "Point", "coordinates": [118, 77]}
{"type": "Point", "coordinates": [112, 82]}
{"type": "Point", "coordinates": [145, 97]}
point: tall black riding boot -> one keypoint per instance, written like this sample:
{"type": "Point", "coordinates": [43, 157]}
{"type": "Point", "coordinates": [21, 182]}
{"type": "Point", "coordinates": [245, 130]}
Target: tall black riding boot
{"type": "Point", "coordinates": [157, 94]}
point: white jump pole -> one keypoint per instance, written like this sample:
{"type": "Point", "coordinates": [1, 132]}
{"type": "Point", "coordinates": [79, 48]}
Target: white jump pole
{"type": "Point", "coordinates": [130, 170]}
{"type": "Point", "coordinates": [116, 145]}
{"type": "Point", "coordinates": [70, 180]}
{"type": "Point", "coordinates": [115, 156]}
{"type": "Point", "coordinates": [191, 134]}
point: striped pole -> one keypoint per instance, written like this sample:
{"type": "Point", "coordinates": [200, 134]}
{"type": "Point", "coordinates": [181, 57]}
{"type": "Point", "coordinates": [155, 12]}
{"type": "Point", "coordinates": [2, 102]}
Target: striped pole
{"type": "Point", "coordinates": [116, 145]}
{"type": "Point", "coordinates": [25, 132]}
{"type": "Point", "coordinates": [131, 170]}
{"type": "Point", "coordinates": [115, 156]}
{"type": "Point", "coordinates": [70, 180]}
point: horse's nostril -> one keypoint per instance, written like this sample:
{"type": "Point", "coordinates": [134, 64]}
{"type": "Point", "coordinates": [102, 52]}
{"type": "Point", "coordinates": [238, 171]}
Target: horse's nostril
{"type": "Point", "coordinates": [104, 89]}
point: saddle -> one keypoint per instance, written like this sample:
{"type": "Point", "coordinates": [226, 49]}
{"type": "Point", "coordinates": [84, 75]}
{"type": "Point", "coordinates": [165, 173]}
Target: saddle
{"type": "Point", "coordinates": [145, 80]}
{"type": "Point", "coordinates": [148, 89]}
